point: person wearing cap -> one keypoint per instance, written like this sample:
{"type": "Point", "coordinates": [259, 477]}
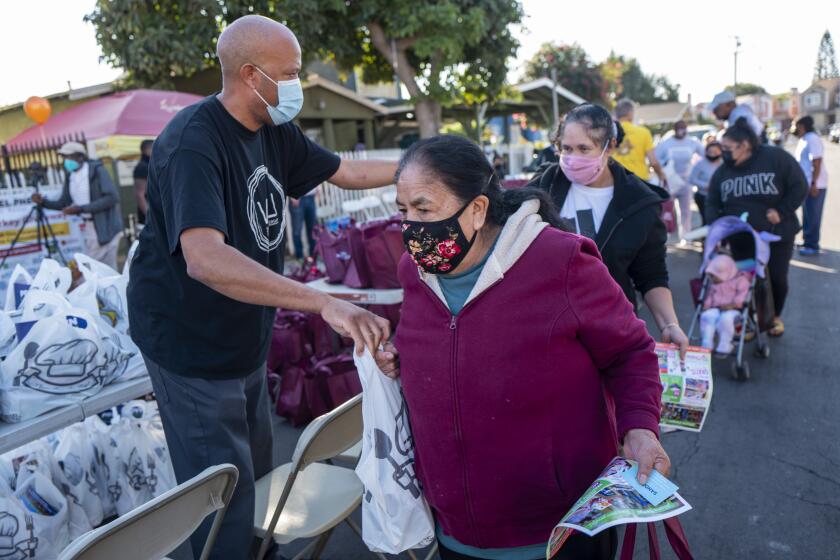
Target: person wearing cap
{"type": "Point", "coordinates": [89, 192]}
{"type": "Point", "coordinates": [725, 108]}
{"type": "Point", "coordinates": [636, 152]}
{"type": "Point", "coordinates": [678, 152]}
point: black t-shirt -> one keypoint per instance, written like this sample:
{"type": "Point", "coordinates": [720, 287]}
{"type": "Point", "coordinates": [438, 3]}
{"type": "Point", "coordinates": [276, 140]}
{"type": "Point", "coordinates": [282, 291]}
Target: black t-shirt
{"type": "Point", "coordinates": [141, 171]}
{"type": "Point", "coordinates": [771, 178]}
{"type": "Point", "coordinates": [208, 170]}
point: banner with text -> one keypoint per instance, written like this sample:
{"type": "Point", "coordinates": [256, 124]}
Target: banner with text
{"type": "Point", "coordinates": [15, 207]}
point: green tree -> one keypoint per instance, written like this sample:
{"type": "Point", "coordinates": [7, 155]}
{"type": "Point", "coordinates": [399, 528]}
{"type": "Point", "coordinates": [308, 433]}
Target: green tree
{"type": "Point", "coordinates": [826, 66]}
{"type": "Point", "coordinates": [624, 78]}
{"type": "Point", "coordinates": [443, 52]}
{"type": "Point", "coordinates": [575, 70]}
{"type": "Point", "coordinates": [746, 88]}
{"type": "Point", "coordinates": [158, 41]}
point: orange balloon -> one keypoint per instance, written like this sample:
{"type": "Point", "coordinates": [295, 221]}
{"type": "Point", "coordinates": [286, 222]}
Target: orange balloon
{"type": "Point", "coordinates": [38, 109]}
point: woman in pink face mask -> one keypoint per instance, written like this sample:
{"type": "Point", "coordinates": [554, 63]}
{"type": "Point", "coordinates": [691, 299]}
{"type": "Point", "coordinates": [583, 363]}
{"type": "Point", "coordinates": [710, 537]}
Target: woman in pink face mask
{"type": "Point", "coordinates": [600, 199]}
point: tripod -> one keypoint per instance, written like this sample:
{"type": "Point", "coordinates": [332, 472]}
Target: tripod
{"type": "Point", "coordinates": [45, 237]}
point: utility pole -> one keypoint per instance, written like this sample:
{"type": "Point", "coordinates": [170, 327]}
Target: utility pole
{"type": "Point", "coordinates": [549, 60]}
{"type": "Point", "coordinates": [554, 104]}
{"type": "Point", "coordinates": [735, 76]}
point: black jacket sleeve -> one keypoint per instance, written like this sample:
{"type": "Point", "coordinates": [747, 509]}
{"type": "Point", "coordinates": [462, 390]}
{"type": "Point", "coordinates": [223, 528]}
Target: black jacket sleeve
{"type": "Point", "coordinates": [649, 270]}
{"type": "Point", "coordinates": [795, 186]}
{"type": "Point", "coordinates": [713, 203]}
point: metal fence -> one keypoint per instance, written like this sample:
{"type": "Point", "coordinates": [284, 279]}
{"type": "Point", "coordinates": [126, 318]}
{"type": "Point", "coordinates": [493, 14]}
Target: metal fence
{"type": "Point", "coordinates": [333, 202]}
{"type": "Point", "coordinates": [18, 164]}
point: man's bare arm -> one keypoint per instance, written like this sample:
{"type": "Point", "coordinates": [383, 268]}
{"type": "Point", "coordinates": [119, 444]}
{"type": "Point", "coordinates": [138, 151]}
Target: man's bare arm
{"type": "Point", "coordinates": [364, 174]}
{"type": "Point", "coordinates": [224, 269]}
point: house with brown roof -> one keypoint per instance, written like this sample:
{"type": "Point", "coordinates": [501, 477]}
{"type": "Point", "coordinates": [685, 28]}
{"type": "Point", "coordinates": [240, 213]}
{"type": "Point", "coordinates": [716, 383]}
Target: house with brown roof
{"type": "Point", "coordinates": [822, 101]}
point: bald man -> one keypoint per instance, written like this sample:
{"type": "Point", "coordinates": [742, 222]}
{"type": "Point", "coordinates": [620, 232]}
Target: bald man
{"type": "Point", "coordinates": [207, 275]}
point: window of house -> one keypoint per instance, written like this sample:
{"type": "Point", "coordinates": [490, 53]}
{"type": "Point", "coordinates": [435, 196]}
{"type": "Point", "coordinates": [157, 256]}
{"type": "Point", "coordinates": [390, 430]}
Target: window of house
{"type": "Point", "coordinates": [813, 100]}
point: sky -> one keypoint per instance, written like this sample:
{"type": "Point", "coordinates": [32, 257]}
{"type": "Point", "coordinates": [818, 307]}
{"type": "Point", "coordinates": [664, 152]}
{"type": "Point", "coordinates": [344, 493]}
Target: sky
{"type": "Point", "coordinates": [45, 43]}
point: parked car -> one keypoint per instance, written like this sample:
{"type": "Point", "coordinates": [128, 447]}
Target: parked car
{"type": "Point", "coordinates": [834, 133]}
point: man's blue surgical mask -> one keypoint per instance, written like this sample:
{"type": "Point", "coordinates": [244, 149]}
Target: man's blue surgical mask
{"type": "Point", "coordinates": [71, 165]}
{"type": "Point", "coordinates": [289, 100]}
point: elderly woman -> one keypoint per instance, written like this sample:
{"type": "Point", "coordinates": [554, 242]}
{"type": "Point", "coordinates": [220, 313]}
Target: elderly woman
{"type": "Point", "coordinates": [523, 365]}
{"type": "Point", "coordinates": [601, 200]}
{"type": "Point", "coordinates": [766, 184]}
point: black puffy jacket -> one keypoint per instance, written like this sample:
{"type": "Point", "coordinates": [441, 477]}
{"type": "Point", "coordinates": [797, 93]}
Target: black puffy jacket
{"type": "Point", "coordinates": [632, 236]}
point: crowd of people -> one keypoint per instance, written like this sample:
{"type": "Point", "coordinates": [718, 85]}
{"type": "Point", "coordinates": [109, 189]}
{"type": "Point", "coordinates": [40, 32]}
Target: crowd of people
{"type": "Point", "coordinates": [520, 312]}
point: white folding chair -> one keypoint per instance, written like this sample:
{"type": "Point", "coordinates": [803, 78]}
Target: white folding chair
{"type": "Point", "coordinates": [389, 200]}
{"type": "Point", "coordinates": [370, 207]}
{"type": "Point", "coordinates": [305, 498]}
{"type": "Point", "coordinates": [156, 528]}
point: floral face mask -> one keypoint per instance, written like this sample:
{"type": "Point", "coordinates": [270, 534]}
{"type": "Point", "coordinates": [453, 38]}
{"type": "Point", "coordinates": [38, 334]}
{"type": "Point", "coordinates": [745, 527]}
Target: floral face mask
{"type": "Point", "coordinates": [437, 247]}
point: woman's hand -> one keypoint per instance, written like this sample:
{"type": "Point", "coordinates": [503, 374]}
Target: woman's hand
{"type": "Point", "coordinates": [674, 334]}
{"type": "Point", "coordinates": [388, 360]}
{"type": "Point", "coordinates": [643, 446]}
{"type": "Point", "coordinates": [773, 216]}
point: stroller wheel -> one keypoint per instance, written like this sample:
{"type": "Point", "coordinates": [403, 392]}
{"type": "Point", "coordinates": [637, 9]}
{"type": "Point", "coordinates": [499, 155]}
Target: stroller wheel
{"type": "Point", "coordinates": [762, 351]}
{"type": "Point", "coordinates": [742, 372]}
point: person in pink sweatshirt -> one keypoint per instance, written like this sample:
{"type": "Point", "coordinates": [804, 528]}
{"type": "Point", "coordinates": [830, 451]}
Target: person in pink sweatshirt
{"type": "Point", "coordinates": [725, 297]}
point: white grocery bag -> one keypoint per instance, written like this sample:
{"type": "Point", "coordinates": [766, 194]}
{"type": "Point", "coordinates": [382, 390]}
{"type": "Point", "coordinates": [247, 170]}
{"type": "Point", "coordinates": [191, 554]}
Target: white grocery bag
{"type": "Point", "coordinates": [38, 523]}
{"type": "Point", "coordinates": [19, 276]}
{"type": "Point", "coordinates": [52, 277]}
{"type": "Point", "coordinates": [78, 475]}
{"type": "Point", "coordinates": [8, 334]}
{"type": "Point", "coordinates": [395, 516]}
{"type": "Point", "coordinates": [110, 290]}
{"type": "Point", "coordinates": [60, 361]}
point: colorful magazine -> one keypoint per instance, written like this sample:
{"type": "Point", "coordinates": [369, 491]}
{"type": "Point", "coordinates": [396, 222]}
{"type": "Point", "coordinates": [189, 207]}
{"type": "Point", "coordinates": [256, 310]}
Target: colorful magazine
{"type": "Point", "coordinates": [686, 386]}
{"type": "Point", "coordinates": [610, 501]}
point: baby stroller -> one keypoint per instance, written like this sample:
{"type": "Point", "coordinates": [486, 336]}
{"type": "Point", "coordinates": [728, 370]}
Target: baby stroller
{"type": "Point", "coordinates": [751, 251]}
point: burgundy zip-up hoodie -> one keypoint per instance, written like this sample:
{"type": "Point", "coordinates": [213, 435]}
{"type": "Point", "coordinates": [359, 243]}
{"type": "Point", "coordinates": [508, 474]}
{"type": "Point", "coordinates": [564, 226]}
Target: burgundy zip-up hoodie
{"type": "Point", "coordinates": [519, 402]}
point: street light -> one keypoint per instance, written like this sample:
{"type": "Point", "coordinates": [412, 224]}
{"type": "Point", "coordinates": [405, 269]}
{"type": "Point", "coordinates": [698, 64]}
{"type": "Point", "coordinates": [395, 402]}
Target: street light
{"type": "Point", "coordinates": [735, 76]}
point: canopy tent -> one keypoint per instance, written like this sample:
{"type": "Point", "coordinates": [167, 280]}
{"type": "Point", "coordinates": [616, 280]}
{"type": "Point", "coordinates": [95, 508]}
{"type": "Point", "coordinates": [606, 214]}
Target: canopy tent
{"type": "Point", "coordinates": [139, 113]}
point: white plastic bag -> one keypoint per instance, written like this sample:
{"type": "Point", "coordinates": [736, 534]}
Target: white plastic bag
{"type": "Point", "coordinates": [61, 361]}
{"type": "Point", "coordinates": [107, 463]}
{"type": "Point", "coordinates": [78, 471]}
{"type": "Point", "coordinates": [45, 521]}
{"type": "Point", "coordinates": [110, 290]}
{"type": "Point", "coordinates": [8, 334]}
{"type": "Point", "coordinates": [52, 277]}
{"type": "Point", "coordinates": [395, 516]}
{"type": "Point", "coordinates": [17, 282]}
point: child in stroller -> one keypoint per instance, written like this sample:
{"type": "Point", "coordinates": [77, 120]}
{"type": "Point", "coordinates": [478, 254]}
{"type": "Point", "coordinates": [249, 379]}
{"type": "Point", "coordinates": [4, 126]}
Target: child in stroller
{"type": "Point", "coordinates": [727, 293]}
{"type": "Point", "coordinates": [750, 251]}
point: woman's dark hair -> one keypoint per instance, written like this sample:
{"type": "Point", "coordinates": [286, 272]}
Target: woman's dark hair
{"type": "Point", "coordinates": [741, 131]}
{"type": "Point", "coordinates": [460, 164]}
{"type": "Point", "coordinates": [807, 122]}
{"type": "Point", "coordinates": [599, 124]}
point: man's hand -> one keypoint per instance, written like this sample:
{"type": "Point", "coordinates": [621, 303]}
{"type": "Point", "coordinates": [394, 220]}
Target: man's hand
{"type": "Point", "coordinates": [388, 360]}
{"type": "Point", "coordinates": [814, 192]}
{"type": "Point", "coordinates": [773, 216]}
{"type": "Point", "coordinates": [37, 198]}
{"type": "Point", "coordinates": [663, 180]}
{"type": "Point", "coordinates": [72, 210]}
{"type": "Point", "coordinates": [365, 328]}
{"type": "Point", "coordinates": [675, 335]}
{"type": "Point", "coordinates": [295, 202]}
{"type": "Point", "coordinates": [642, 446]}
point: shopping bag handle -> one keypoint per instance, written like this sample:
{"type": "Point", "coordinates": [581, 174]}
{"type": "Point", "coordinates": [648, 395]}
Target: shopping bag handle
{"type": "Point", "coordinates": [674, 532]}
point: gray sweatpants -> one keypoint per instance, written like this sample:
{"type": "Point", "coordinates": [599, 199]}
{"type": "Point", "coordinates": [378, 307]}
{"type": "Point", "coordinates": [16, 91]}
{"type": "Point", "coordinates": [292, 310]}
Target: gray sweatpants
{"type": "Point", "coordinates": [209, 422]}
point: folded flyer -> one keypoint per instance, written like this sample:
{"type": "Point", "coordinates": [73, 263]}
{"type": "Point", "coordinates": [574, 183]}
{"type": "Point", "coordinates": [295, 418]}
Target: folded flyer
{"type": "Point", "coordinates": [610, 501]}
{"type": "Point", "coordinates": [686, 386]}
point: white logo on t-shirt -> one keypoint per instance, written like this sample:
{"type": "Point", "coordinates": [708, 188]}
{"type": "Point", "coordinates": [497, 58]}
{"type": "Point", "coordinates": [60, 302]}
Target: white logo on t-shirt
{"type": "Point", "coordinates": [266, 213]}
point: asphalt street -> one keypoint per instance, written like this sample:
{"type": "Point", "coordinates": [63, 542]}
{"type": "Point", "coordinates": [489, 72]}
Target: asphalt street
{"type": "Point", "coordinates": [764, 474]}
